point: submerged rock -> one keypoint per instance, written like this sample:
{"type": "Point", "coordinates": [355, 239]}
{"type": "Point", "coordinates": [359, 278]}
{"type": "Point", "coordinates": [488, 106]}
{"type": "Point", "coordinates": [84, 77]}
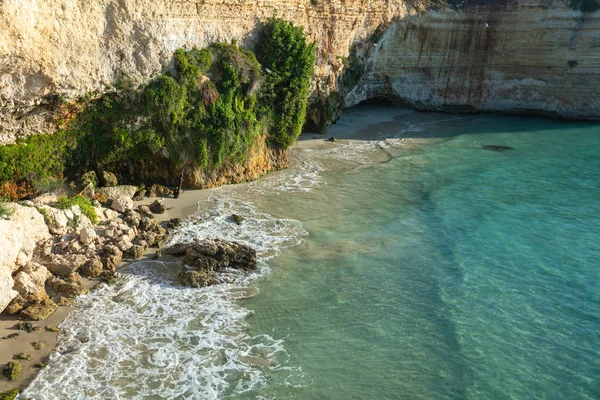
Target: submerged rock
{"type": "Point", "coordinates": [495, 147]}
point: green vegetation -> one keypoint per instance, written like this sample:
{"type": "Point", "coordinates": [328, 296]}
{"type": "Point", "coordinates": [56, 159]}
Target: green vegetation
{"type": "Point", "coordinates": [586, 6]}
{"type": "Point", "coordinates": [84, 204]}
{"type": "Point", "coordinates": [290, 62]}
{"type": "Point", "coordinates": [208, 111]}
{"type": "Point", "coordinates": [9, 395]}
{"type": "Point", "coordinates": [5, 211]}
{"type": "Point", "coordinates": [12, 370]}
{"type": "Point", "coordinates": [354, 69]}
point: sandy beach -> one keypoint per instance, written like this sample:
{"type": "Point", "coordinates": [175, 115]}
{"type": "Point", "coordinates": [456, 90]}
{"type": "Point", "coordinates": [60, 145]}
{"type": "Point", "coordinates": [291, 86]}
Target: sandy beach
{"type": "Point", "coordinates": [364, 122]}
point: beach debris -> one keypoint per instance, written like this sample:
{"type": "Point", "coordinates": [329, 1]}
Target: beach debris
{"type": "Point", "coordinates": [38, 345]}
{"type": "Point", "coordinates": [12, 370]}
{"type": "Point", "coordinates": [332, 139]}
{"type": "Point", "coordinates": [22, 356]}
{"type": "Point", "coordinates": [158, 207]}
{"type": "Point", "coordinates": [238, 219]}
{"type": "Point", "coordinates": [495, 147]}
{"type": "Point", "coordinates": [27, 327]}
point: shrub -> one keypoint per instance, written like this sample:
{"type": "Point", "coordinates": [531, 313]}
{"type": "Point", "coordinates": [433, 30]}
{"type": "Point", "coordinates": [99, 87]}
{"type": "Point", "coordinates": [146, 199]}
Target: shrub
{"type": "Point", "coordinates": [290, 59]}
{"type": "Point", "coordinates": [354, 69]}
{"type": "Point", "coordinates": [208, 111]}
{"type": "Point", "coordinates": [84, 204]}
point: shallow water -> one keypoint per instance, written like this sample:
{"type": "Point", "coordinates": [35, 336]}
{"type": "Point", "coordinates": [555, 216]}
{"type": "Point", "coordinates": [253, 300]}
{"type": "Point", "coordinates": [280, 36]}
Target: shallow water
{"type": "Point", "coordinates": [417, 265]}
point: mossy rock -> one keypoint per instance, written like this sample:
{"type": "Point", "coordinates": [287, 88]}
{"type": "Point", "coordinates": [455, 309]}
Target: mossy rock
{"type": "Point", "coordinates": [38, 345]}
{"type": "Point", "coordinates": [9, 395]}
{"type": "Point", "coordinates": [39, 365]}
{"type": "Point", "coordinates": [12, 370]}
{"type": "Point", "coordinates": [22, 356]}
{"type": "Point", "coordinates": [38, 312]}
{"type": "Point", "coordinates": [51, 328]}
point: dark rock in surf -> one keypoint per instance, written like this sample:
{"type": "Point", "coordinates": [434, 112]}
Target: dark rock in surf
{"type": "Point", "coordinates": [204, 258]}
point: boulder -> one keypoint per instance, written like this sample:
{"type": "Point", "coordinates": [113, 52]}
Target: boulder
{"type": "Point", "coordinates": [145, 211]}
{"type": "Point", "coordinates": [238, 219]}
{"type": "Point", "coordinates": [158, 207]}
{"type": "Point", "coordinates": [136, 251]}
{"type": "Point", "coordinates": [109, 179]}
{"type": "Point", "coordinates": [122, 204]}
{"type": "Point", "coordinates": [39, 311]}
{"type": "Point", "coordinates": [159, 191]}
{"type": "Point", "coordinates": [205, 257]}
{"type": "Point", "coordinates": [63, 265]}
{"type": "Point", "coordinates": [70, 285]}
{"type": "Point", "coordinates": [92, 268]}
{"type": "Point", "coordinates": [111, 257]}
{"type": "Point", "coordinates": [87, 235]}
{"type": "Point", "coordinates": [196, 279]}
{"type": "Point", "coordinates": [88, 178]}
{"type": "Point", "coordinates": [88, 191]}
{"type": "Point", "coordinates": [19, 235]}
{"type": "Point", "coordinates": [115, 192]}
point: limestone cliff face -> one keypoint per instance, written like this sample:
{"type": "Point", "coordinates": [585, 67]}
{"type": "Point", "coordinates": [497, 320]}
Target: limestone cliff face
{"type": "Point", "coordinates": [521, 55]}
{"type": "Point", "coordinates": [525, 56]}
{"type": "Point", "coordinates": [56, 49]}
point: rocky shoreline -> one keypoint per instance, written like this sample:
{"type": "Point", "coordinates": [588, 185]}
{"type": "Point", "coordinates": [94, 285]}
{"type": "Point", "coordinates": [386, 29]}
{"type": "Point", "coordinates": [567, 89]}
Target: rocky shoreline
{"type": "Point", "coordinates": [57, 254]}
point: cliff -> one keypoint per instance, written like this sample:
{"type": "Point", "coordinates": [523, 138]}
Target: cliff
{"type": "Point", "coordinates": [528, 56]}
{"type": "Point", "coordinates": [525, 55]}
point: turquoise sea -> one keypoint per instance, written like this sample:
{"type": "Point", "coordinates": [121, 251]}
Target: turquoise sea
{"type": "Point", "coordinates": [415, 265]}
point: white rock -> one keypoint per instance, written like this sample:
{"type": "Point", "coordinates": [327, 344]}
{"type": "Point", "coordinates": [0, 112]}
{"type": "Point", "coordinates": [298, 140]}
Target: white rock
{"type": "Point", "coordinates": [115, 192]}
{"type": "Point", "coordinates": [87, 235]}
{"type": "Point", "coordinates": [25, 227]}
{"type": "Point", "coordinates": [122, 204]}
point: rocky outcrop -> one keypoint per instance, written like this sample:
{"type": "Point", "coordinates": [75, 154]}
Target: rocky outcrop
{"type": "Point", "coordinates": [524, 56]}
{"type": "Point", "coordinates": [203, 259]}
{"type": "Point", "coordinates": [41, 267]}
{"type": "Point", "coordinates": [19, 235]}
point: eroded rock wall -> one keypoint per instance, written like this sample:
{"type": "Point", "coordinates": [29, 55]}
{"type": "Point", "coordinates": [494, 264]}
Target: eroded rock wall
{"type": "Point", "coordinates": [52, 50]}
{"type": "Point", "coordinates": [526, 56]}
{"type": "Point", "coordinates": [517, 55]}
